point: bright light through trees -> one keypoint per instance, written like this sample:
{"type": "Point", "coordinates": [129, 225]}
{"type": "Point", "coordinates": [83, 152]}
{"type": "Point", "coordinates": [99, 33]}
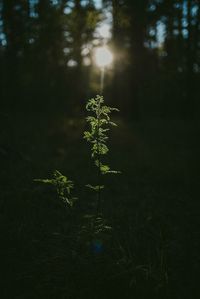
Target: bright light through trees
{"type": "Point", "coordinates": [103, 57]}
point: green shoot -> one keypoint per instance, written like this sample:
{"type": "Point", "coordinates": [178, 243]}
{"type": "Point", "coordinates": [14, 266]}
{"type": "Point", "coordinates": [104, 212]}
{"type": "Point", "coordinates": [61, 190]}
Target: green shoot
{"type": "Point", "coordinates": [100, 123]}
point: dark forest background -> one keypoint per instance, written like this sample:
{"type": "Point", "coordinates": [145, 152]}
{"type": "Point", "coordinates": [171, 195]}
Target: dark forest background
{"type": "Point", "coordinates": [155, 43]}
{"type": "Point", "coordinates": [47, 73]}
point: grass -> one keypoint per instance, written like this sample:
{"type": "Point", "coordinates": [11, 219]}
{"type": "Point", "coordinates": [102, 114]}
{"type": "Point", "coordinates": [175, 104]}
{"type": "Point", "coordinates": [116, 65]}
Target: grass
{"type": "Point", "coordinates": [153, 207]}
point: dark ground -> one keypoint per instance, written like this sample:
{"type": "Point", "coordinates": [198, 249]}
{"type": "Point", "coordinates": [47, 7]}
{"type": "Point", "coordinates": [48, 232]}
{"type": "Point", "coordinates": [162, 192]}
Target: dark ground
{"type": "Point", "coordinates": [153, 207]}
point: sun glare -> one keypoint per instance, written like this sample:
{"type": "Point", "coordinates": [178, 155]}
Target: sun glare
{"type": "Point", "coordinates": [103, 57]}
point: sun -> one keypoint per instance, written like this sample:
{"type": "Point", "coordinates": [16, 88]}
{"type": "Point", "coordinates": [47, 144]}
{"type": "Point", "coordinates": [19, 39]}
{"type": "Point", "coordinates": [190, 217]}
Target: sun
{"type": "Point", "coordinates": [103, 57]}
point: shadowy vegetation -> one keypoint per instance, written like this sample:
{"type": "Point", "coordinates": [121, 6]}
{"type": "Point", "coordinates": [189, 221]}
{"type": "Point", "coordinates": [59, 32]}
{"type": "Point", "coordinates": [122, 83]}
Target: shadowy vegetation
{"type": "Point", "coordinates": [152, 206]}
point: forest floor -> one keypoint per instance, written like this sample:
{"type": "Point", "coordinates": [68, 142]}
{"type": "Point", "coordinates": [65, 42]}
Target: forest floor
{"type": "Point", "coordinates": [153, 206]}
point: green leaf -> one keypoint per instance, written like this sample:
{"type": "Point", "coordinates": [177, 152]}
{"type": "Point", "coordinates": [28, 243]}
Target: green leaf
{"type": "Point", "coordinates": [114, 171]}
{"type": "Point", "coordinates": [112, 124]}
{"type": "Point", "coordinates": [95, 188]}
{"type": "Point", "coordinates": [63, 186]}
{"type": "Point", "coordinates": [114, 109]}
{"type": "Point", "coordinates": [103, 168]}
{"type": "Point", "coordinates": [88, 136]}
{"type": "Point", "coordinates": [44, 181]}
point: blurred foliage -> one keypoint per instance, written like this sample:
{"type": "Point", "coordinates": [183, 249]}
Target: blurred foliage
{"type": "Point", "coordinates": [46, 55]}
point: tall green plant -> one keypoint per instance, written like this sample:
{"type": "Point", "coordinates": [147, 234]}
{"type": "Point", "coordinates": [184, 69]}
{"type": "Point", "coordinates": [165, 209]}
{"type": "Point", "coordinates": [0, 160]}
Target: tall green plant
{"type": "Point", "coordinates": [99, 124]}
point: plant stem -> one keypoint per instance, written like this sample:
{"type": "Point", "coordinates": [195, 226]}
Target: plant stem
{"type": "Point", "coordinates": [99, 165]}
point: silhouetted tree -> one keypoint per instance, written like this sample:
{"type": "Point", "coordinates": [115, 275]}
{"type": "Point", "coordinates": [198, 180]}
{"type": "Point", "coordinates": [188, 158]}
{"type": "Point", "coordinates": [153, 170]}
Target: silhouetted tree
{"type": "Point", "coordinates": [15, 27]}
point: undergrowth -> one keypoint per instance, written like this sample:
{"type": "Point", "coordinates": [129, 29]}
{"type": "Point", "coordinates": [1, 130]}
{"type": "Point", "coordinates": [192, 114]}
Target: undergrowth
{"type": "Point", "coordinates": [94, 234]}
